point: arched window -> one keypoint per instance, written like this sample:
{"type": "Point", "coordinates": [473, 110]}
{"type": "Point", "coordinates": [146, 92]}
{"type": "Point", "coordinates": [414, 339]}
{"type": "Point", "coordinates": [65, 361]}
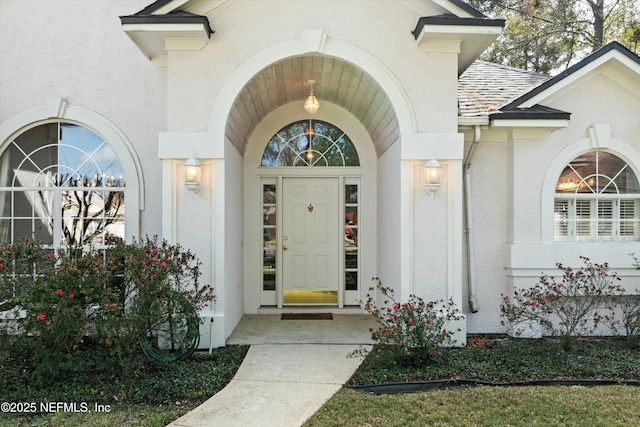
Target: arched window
{"type": "Point", "coordinates": [597, 199]}
{"type": "Point", "coordinates": [61, 184]}
{"type": "Point", "coordinates": [310, 143]}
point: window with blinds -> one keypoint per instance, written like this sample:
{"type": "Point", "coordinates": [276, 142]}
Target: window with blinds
{"type": "Point", "coordinates": [596, 200]}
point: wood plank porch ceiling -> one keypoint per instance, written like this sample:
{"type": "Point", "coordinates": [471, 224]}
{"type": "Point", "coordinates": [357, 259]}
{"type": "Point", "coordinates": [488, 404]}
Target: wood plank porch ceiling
{"type": "Point", "coordinates": [337, 82]}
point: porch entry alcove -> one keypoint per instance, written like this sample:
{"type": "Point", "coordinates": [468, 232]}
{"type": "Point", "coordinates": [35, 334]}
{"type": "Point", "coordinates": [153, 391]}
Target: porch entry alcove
{"type": "Point", "coordinates": [314, 196]}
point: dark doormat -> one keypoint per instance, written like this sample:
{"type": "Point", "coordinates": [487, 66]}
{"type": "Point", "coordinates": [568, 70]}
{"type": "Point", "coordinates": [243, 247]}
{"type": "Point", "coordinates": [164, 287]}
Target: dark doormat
{"type": "Point", "coordinates": [306, 316]}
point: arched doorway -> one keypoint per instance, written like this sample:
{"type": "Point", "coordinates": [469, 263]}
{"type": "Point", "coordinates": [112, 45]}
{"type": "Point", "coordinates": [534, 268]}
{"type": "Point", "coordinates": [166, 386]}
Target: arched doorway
{"type": "Point", "coordinates": [310, 216]}
{"type": "Point", "coordinates": [266, 93]}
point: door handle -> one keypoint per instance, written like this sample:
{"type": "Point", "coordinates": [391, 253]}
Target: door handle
{"type": "Point", "coordinates": [285, 247]}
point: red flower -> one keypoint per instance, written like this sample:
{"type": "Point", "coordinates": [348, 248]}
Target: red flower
{"type": "Point", "coordinates": [163, 264]}
{"type": "Point", "coordinates": [579, 339]}
{"type": "Point", "coordinates": [395, 307]}
{"type": "Point", "coordinates": [1, 266]}
{"type": "Point", "coordinates": [544, 301]}
{"type": "Point", "coordinates": [534, 303]}
{"type": "Point", "coordinates": [75, 347]}
{"type": "Point", "coordinates": [206, 295]}
{"type": "Point", "coordinates": [41, 316]}
{"type": "Point", "coordinates": [452, 303]}
{"type": "Point", "coordinates": [59, 291]}
{"type": "Point", "coordinates": [50, 255]}
{"type": "Point", "coordinates": [411, 321]}
{"type": "Point", "coordinates": [71, 294]}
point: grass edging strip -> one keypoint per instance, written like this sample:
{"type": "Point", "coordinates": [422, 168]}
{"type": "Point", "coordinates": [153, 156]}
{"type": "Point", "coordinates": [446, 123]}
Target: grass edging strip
{"type": "Point", "coordinates": [415, 387]}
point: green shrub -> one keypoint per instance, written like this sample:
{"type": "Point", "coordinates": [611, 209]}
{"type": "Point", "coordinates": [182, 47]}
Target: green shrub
{"type": "Point", "coordinates": [575, 305]}
{"type": "Point", "coordinates": [630, 306]}
{"type": "Point", "coordinates": [113, 299]}
{"type": "Point", "coordinates": [22, 263]}
{"type": "Point", "coordinates": [152, 283]}
{"type": "Point", "coordinates": [411, 331]}
{"type": "Point", "coordinates": [63, 305]}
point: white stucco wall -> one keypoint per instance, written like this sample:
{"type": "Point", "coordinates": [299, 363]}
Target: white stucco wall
{"type": "Point", "coordinates": [77, 51]}
{"type": "Point", "coordinates": [536, 164]}
{"type": "Point", "coordinates": [197, 81]}
{"type": "Point", "coordinates": [489, 208]}
{"type": "Point", "coordinates": [509, 170]}
{"type": "Point", "coordinates": [389, 217]}
{"type": "Point", "coordinates": [94, 65]}
{"type": "Point", "coordinates": [234, 239]}
{"type": "Point", "coordinates": [431, 237]}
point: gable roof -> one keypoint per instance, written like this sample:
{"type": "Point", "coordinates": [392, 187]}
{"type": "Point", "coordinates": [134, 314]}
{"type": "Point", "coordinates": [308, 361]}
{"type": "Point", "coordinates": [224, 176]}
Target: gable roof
{"type": "Point", "coordinates": [530, 104]}
{"type": "Point", "coordinates": [514, 97]}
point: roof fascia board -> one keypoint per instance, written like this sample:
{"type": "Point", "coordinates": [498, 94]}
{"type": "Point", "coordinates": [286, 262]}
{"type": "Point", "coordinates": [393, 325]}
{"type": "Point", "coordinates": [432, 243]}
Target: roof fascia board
{"type": "Point", "coordinates": [435, 24]}
{"type": "Point", "coordinates": [457, 29]}
{"type": "Point", "coordinates": [168, 27]}
{"type": "Point", "coordinates": [459, 8]}
{"type": "Point", "coordinates": [204, 7]}
{"type": "Point", "coordinates": [530, 123]}
{"type": "Point", "coordinates": [169, 7]}
{"type": "Point", "coordinates": [613, 51]}
{"type": "Point", "coordinates": [149, 10]}
{"type": "Point", "coordinates": [473, 121]}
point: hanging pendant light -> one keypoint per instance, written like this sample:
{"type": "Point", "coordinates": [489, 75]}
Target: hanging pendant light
{"type": "Point", "coordinates": [310, 133]}
{"type": "Point", "coordinates": [311, 105]}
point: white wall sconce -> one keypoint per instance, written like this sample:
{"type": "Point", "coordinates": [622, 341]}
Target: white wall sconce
{"type": "Point", "coordinates": [192, 174]}
{"type": "Point", "coordinates": [431, 176]}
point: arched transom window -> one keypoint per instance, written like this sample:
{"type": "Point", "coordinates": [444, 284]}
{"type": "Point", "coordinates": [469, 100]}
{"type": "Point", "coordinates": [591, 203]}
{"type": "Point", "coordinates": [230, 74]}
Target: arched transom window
{"type": "Point", "coordinates": [597, 199]}
{"type": "Point", "coordinates": [61, 184]}
{"type": "Point", "coordinates": [310, 143]}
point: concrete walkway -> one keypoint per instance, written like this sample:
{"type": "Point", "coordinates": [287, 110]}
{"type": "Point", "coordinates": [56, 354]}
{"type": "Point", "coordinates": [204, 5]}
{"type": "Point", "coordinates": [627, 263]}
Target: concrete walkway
{"type": "Point", "coordinates": [292, 368]}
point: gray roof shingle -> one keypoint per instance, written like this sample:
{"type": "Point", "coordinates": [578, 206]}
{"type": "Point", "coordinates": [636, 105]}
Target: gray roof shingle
{"type": "Point", "coordinates": [485, 87]}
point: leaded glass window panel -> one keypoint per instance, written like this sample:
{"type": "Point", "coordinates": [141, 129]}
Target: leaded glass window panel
{"type": "Point", "coordinates": [310, 143]}
{"type": "Point", "coordinates": [61, 184]}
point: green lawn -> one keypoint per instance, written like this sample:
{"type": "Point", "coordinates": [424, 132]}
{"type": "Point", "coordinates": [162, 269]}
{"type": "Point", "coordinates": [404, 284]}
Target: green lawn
{"type": "Point", "coordinates": [485, 406]}
{"type": "Point", "coordinates": [156, 393]}
{"type": "Point", "coordinates": [497, 359]}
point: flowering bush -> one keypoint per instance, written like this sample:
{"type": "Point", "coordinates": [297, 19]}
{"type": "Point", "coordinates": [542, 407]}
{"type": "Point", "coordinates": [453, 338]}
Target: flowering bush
{"type": "Point", "coordinates": [157, 284]}
{"type": "Point", "coordinates": [575, 305]}
{"type": "Point", "coordinates": [63, 304]}
{"type": "Point", "coordinates": [21, 264]}
{"type": "Point", "coordinates": [413, 330]}
{"type": "Point", "coordinates": [128, 295]}
{"type": "Point", "coordinates": [630, 307]}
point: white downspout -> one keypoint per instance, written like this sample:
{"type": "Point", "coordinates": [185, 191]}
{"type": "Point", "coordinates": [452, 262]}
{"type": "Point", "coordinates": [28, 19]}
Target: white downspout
{"type": "Point", "coordinates": [473, 304]}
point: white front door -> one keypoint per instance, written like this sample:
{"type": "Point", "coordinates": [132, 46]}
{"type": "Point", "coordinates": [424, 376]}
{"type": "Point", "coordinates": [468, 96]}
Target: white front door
{"type": "Point", "coordinates": [311, 232]}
